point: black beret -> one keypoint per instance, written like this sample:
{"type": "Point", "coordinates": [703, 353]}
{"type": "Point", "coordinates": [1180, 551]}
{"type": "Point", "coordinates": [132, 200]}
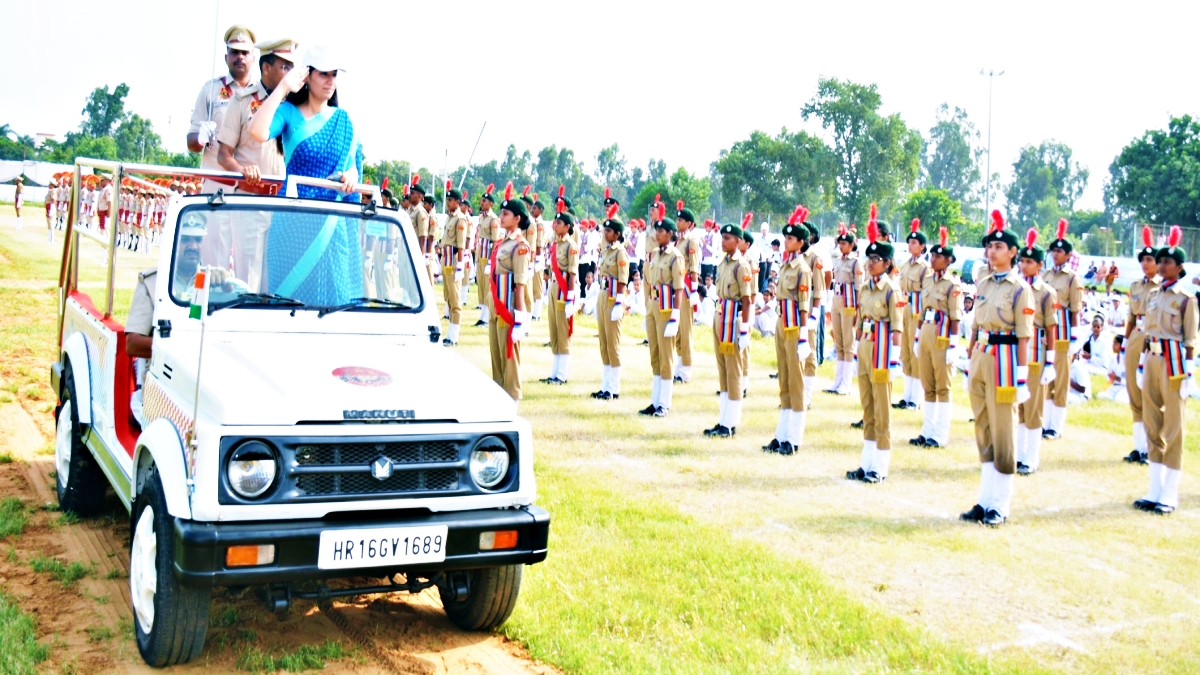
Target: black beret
{"type": "Point", "coordinates": [428, 198]}
{"type": "Point", "coordinates": [686, 214]}
{"type": "Point", "coordinates": [882, 249]}
{"type": "Point", "coordinates": [730, 228]}
{"type": "Point", "coordinates": [747, 237]}
{"type": "Point", "coordinates": [666, 224]}
{"type": "Point", "coordinates": [454, 194]}
{"type": "Point", "coordinates": [798, 231]}
{"type": "Point", "coordinates": [615, 225]}
{"type": "Point", "coordinates": [417, 188]}
{"type": "Point", "coordinates": [565, 217]}
{"type": "Point", "coordinates": [884, 229]}
{"type": "Point", "coordinates": [515, 206]}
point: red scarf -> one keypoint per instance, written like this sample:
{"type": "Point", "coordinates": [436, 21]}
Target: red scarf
{"type": "Point", "coordinates": [561, 280]}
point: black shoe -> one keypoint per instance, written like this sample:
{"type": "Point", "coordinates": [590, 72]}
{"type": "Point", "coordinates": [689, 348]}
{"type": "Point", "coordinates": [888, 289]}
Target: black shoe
{"type": "Point", "coordinates": [480, 323]}
{"type": "Point", "coordinates": [919, 440]}
{"type": "Point", "coordinates": [596, 394]}
{"type": "Point", "coordinates": [900, 405]}
{"type": "Point", "coordinates": [772, 446]}
{"type": "Point", "coordinates": [447, 343]}
{"type": "Point", "coordinates": [1163, 510]}
{"type": "Point", "coordinates": [1133, 457]}
{"type": "Point", "coordinates": [712, 430]}
{"type": "Point", "coordinates": [720, 431]}
{"type": "Point", "coordinates": [857, 474]}
{"type": "Point", "coordinates": [1049, 433]}
{"type": "Point", "coordinates": [1025, 470]}
{"type": "Point", "coordinates": [648, 410]}
{"type": "Point", "coordinates": [774, 376]}
{"type": "Point", "coordinates": [645, 343]}
{"type": "Point", "coordinates": [604, 396]}
{"type": "Point", "coordinates": [786, 449]}
{"type": "Point", "coordinates": [1144, 459]}
{"type": "Point", "coordinates": [546, 345]}
{"type": "Point", "coordinates": [993, 518]}
{"type": "Point", "coordinates": [912, 405]}
{"type": "Point", "coordinates": [873, 478]}
{"type": "Point", "coordinates": [745, 394]}
{"type": "Point", "coordinates": [678, 380]}
{"type": "Point", "coordinates": [660, 411]}
{"type": "Point", "coordinates": [975, 515]}
{"type": "Point", "coordinates": [831, 391]}
{"type": "Point", "coordinates": [857, 425]}
{"type": "Point", "coordinates": [555, 380]}
{"type": "Point", "coordinates": [930, 443]}
{"type": "Point", "coordinates": [1145, 505]}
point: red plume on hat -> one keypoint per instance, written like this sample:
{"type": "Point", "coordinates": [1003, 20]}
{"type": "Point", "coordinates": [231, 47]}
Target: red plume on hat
{"type": "Point", "coordinates": [795, 217]}
{"type": "Point", "coordinates": [508, 191]}
{"type": "Point", "coordinates": [385, 183]}
{"type": "Point", "coordinates": [841, 229]}
{"type": "Point", "coordinates": [916, 225]}
{"type": "Point", "coordinates": [416, 178]}
{"type": "Point", "coordinates": [657, 196]}
{"type": "Point", "coordinates": [1031, 237]}
{"type": "Point", "coordinates": [449, 185]}
{"type": "Point", "coordinates": [525, 192]}
{"type": "Point", "coordinates": [679, 205]}
{"type": "Point", "coordinates": [997, 221]}
{"type": "Point", "coordinates": [803, 214]}
{"type": "Point", "coordinates": [1147, 237]}
{"type": "Point", "coordinates": [612, 212]}
{"type": "Point", "coordinates": [1061, 232]}
{"type": "Point", "coordinates": [874, 213]}
{"type": "Point", "coordinates": [872, 228]}
{"type": "Point", "coordinates": [562, 190]}
{"type": "Point", "coordinates": [1175, 237]}
{"type": "Point", "coordinates": [405, 190]}
{"type": "Point", "coordinates": [662, 210]}
{"type": "Point", "coordinates": [490, 188]}
{"type": "Point", "coordinates": [465, 195]}
{"type": "Point", "coordinates": [607, 193]}
{"type": "Point", "coordinates": [943, 236]}
{"type": "Point", "coordinates": [747, 218]}
{"type": "Point", "coordinates": [560, 206]}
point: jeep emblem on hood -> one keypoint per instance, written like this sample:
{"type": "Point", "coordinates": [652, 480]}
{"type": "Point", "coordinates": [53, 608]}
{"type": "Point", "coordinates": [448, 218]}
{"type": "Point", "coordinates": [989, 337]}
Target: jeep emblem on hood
{"type": "Point", "coordinates": [382, 468]}
{"type": "Point", "coordinates": [379, 414]}
{"type": "Point", "coordinates": [362, 376]}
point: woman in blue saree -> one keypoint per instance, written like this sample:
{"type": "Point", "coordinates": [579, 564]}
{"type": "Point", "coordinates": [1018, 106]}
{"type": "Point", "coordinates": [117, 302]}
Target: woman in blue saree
{"type": "Point", "coordinates": [315, 259]}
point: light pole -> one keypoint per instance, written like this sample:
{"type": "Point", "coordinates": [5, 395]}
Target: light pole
{"type": "Point", "coordinates": [987, 180]}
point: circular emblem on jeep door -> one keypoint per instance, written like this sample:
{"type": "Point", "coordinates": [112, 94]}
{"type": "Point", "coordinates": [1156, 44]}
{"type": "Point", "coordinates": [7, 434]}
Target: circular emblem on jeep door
{"type": "Point", "coordinates": [362, 377]}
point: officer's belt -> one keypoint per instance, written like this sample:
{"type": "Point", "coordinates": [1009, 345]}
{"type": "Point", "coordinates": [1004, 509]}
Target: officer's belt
{"type": "Point", "coordinates": [1001, 338]}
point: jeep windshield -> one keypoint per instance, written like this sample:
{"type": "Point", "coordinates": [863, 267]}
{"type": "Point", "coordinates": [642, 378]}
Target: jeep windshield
{"type": "Point", "coordinates": [292, 259]}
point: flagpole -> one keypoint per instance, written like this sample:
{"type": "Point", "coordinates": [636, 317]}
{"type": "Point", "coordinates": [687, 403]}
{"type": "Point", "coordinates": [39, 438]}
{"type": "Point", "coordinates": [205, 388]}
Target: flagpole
{"type": "Point", "coordinates": [199, 310]}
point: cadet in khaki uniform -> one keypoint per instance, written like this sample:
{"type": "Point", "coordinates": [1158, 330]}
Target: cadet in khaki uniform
{"type": "Point", "coordinates": [912, 279]}
{"type": "Point", "coordinates": [689, 245]}
{"type": "Point", "coordinates": [940, 311]}
{"type": "Point", "coordinates": [847, 279]}
{"type": "Point", "coordinates": [1135, 340]}
{"type": "Point", "coordinates": [1069, 334]}
{"type": "Point", "coordinates": [537, 240]}
{"type": "Point", "coordinates": [817, 296]}
{"type": "Point", "coordinates": [880, 324]}
{"type": "Point", "coordinates": [752, 260]}
{"type": "Point", "coordinates": [420, 220]}
{"type": "Point", "coordinates": [999, 368]}
{"type": "Point", "coordinates": [510, 265]}
{"type": "Point", "coordinates": [1041, 357]}
{"type": "Point", "coordinates": [613, 271]}
{"type": "Point", "coordinates": [454, 250]}
{"type": "Point", "coordinates": [1167, 382]}
{"type": "Point", "coordinates": [564, 268]}
{"type": "Point", "coordinates": [488, 233]}
{"type": "Point", "coordinates": [791, 338]}
{"type": "Point", "coordinates": [731, 329]}
{"type": "Point", "coordinates": [666, 295]}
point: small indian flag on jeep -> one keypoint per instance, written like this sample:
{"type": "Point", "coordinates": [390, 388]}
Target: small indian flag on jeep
{"type": "Point", "coordinates": [199, 306]}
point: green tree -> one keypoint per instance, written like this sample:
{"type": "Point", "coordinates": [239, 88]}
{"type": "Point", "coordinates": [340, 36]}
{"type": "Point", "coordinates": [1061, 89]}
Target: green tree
{"type": "Point", "coordinates": [611, 172]}
{"type": "Point", "coordinates": [951, 158]}
{"type": "Point", "coordinates": [1046, 184]}
{"type": "Point", "coordinates": [1157, 179]}
{"type": "Point", "coordinates": [936, 208]}
{"type": "Point", "coordinates": [695, 192]}
{"type": "Point", "coordinates": [770, 175]}
{"type": "Point", "coordinates": [14, 146]}
{"type": "Point", "coordinates": [104, 111]}
{"type": "Point", "coordinates": [878, 158]}
{"type": "Point", "coordinates": [136, 140]}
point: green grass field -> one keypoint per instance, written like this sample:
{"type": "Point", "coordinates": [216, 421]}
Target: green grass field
{"type": "Point", "coordinates": [671, 552]}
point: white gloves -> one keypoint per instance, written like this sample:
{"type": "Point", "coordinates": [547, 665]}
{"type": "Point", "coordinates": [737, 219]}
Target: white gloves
{"type": "Point", "coordinates": [894, 369]}
{"type": "Point", "coordinates": [694, 300]}
{"type": "Point", "coordinates": [744, 336]}
{"type": "Point", "coordinates": [1022, 385]}
{"type": "Point", "coordinates": [1049, 373]}
{"type": "Point", "coordinates": [520, 325]}
{"type": "Point", "coordinates": [617, 313]}
{"type": "Point", "coordinates": [672, 328]}
{"type": "Point", "coordinates": [207, 132]}
{"type": "Point", "coordinates": [952, 350]}
{"type": "Point", "coordinates": [1141, 371]}
{"type": "Point", "coordinates": [458, 273]}
{"type": "Point", "coordinates": [1078, 337]}
{"type": "Point", "coordinates": [1185, 387]}
{"type": "Point", "coordinates": [803, 350]}
{"type": "Point", "coordinates": [487, 267]}
{"type": "Point", "coordinates": [569, 308]}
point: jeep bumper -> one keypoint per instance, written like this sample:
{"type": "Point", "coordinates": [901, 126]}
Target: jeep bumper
{"type": "Point", "coordinates": [200, 548]}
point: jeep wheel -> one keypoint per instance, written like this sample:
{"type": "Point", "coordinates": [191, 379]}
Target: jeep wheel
{"type": "Point", "coordinates": [170, 619]}
{"type": "Point", "coordinates": [492, 597]}
{"type": "Point", "coordinates": [80, 482]}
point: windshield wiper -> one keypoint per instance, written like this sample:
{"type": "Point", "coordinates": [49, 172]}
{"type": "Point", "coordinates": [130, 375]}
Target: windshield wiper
{"type": "Point", "coordinates": [257, 299]}
{"type": "Point", "coordinates": [359, 302]}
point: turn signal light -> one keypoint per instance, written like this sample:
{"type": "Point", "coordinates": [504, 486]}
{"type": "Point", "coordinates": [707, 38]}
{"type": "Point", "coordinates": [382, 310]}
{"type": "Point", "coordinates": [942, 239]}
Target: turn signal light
{"type": "Point", "coordinates": [249, 556]}
{"type": "Point", "coordinates": [497, 541]}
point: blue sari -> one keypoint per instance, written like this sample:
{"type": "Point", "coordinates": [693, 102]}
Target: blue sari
{"type": "Point", "coordinates": [317, 260]}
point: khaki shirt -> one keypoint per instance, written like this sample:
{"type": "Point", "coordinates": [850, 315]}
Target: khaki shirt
{"type": "Point", "coordinates": [818, 274]}
{"type": "Point", "coordinates": [456, 231]}
{"type": "Point", "coordinates": [689, 245]}
{"type": "Point", "coordinates": [1044, 300]}
{"type": "Point", "coordinates": [235, 132]}
{"type": "Point", "coordinates": [566, 252]}
{"type": "Point", "coordinates": [213, 103]}
{"type": "Point", "coordinates": [513, 258]}
{"type": "Point", "coordinates": [614, 262]}
{"type": "Point", "coordinates": [880, 301]}
{"type": "Point", "coordinates": [489, 231]}
{"type": "Point", "coordinates": [795, 282]}
{"type": "Point", "coordinates": [733, 277]}
{"type": "Point", "coordinates": [537, 235]}
{"type": "Point", "coordinates": [420, 219]}
{"type": "Point", "coordinates": [104, 201]}
{"type": "Point", "coordinates": [141, 312]}
{"type": "Point", "coordinates": [941, 295]}
{"type": "Point", "coordinates": [1171, 314]}
{"type": "Point", "coordinates": [666, 268]}
{"type": "Point", "coordinates": [1139, 295]}
{"type": "Point", "coordinates": [912, 280]}
{"type": "Point", "coordinates": [1004, 305]}
{"type": "Point", "coordinates": [1068, 287]}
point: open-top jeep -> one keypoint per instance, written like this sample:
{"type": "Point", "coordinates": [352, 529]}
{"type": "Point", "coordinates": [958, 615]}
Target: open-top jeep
{"type": "Point", "coordinates": [296, 421]}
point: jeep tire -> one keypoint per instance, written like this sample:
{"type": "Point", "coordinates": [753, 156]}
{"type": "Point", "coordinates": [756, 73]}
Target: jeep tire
{"type": "Point", "coordinates": [492, 597]}
{"type": "Point", "coordinates": [80, 483]}
{"type": "Point", "coordinates": [169, 619]}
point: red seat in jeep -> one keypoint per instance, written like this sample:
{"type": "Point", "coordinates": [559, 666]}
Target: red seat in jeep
{"type": "Point", "coordinates": [127, 428]}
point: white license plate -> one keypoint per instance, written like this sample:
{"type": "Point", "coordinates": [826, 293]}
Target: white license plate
{"type": "Point", "coordinates": [381, 546]}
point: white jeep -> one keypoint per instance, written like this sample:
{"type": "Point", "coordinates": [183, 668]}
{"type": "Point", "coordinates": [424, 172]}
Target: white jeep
{"type": "Point", "coordinates": [302, 425]}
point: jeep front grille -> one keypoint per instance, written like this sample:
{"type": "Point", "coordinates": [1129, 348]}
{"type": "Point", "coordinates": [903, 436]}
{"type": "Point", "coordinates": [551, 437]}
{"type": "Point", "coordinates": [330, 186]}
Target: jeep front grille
{"type": "Point", "coordinates": [365, 483]}
{"type": "Point", "coordinates": [326, 454]}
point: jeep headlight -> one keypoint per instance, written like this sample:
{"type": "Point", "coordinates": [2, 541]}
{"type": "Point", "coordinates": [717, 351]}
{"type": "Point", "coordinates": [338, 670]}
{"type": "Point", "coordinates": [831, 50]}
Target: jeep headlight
{"type": "Point", "coordinates": [489, 462]}
{"type": "Point", "coordinates": [251, 469]}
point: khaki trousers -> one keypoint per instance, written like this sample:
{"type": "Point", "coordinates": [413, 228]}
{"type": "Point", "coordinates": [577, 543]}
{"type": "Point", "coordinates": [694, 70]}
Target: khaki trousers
{"type": "Point", "coordinates": [876, 398]}
{"type": "Point", "coordinates": [1162, 413]}
{"type": "Point", "coordinates": [538, 281]}
{"type": "Point", "coordinates": [931, 363]}
{"type": "Point", "coordinates": [610, 332]}
{"type": "Point", "coordinates": [908, 356]}
{"type": "Point", "coordinates": [505, 371]}
{"type": "Point", "coordinates": [1057, 390]}
{"type": "Point", "coordinates": [431, 267]}
{"type": "Point", "coordinates": [1133, 352]}
{"type": "Point", "coordinates": [662, 349]}
{"type": "Point", "coordinates": [791, 371]}
{"type": "Point", "coordinates": [1030, 412]}
{"type": "Point", "coordinates": [483, 282]}
{"type": "Point", "coordinates": [994, 422]}
{"type": "Point", "coordinates": [810, 364]}
{"type": "Point", "coordinates": [451, 291]}
{"type": "Point", "coordinates": [729, 366]}
{"type": "Point", "coordinates": [683, 341]}
{"type": "Point", "coordinates": [843, 329]}
{"type": "Point", "coordinates": [560, 330]}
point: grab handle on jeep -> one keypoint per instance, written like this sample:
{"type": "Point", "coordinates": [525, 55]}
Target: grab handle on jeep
{"type": "Point", "coordinates": [435, 334]}
{"type": "Point", "coordinates": [295, 181]}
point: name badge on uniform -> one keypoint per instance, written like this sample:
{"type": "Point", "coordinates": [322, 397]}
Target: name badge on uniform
{"type": "Point", "coordinates": [929, 314]}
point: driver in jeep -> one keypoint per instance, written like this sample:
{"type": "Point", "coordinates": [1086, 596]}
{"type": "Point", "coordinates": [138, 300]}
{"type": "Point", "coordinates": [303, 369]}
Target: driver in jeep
{"type": "Point", "coordinates": [139, 329]}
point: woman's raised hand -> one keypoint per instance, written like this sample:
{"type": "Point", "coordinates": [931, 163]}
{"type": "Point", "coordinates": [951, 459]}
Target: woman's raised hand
{"type": "Point", "coordinates": [294, 80]}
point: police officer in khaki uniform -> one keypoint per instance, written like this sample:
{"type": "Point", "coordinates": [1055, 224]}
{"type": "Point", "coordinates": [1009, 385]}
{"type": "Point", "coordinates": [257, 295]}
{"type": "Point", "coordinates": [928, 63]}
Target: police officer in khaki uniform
{"type": "Point", "coordinates": [939, 313]}
{"type": "Point", "coordinates": [666, 295]}
{"type": "Point", "coordinates": [731, 329]}
{"type": "Point", "coordinates": [454, 250]}
{"type": "Point", "coordinates": [1167, 381]}
{"type": "Point", "coordinates": [880, 325]}
{"type": "Point", "coordinates": [1135, 340]}
{"type": "Point", "coordinates": [791, 338]}
{"type": "Point", "coordinates": [912, 279]}
{"type": "Point", "coordinates": [564, 280]}
{"type": "Point", "coordinates": [1041, 357]}
{"type": "Point", "coordinates": [999, 368]}
{"type": "Point", "coordinates": [488, 233]}
{"type": "Point", "coordinates": [419, 216]}
{"type": "Point", "coordinates": [1069, 333]}
{"type": "Point", "coordinates": [689, 245]}
{"type": "Point", "coordinates": [613, 271]}
{"type": "Point", "coordinates": [510, 266]}
{"type": "Point", "coordinates": [847, 279]}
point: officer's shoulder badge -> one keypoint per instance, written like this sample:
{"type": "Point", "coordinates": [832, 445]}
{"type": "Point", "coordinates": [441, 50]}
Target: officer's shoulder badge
{"type": "Point", "coordinates": [746, 278]}
{"type": "Point", "coordinates": [1028, 310]}
{"type": "Point", "coordinates": [522, 250]}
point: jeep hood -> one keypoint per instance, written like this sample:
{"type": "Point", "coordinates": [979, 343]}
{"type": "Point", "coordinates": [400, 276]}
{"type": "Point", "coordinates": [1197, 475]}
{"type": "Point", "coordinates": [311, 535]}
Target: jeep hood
{"type": "Point", "coordinates": [249, 379]}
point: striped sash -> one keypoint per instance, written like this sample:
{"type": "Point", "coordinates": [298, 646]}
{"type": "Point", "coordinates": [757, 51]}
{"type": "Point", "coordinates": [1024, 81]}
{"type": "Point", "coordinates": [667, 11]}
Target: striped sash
{"type": "Point", "coordinates": [1062, 331]}
{"type": "Point", "coordinates": [666, 298]}
{"type": "Point", "coordinates": [611, 283]}
{"type": "Point", "coordinates": [448, 261]}
{"type": "Point", "coordinates": [882, 337]}
{"type": "Point", "coordinates": [789, 313]}
{"type": "Point", "coordinates": [943, 329]}
{"type": "Point", "coordinates": [502, 296]}
{"type": "Point", "coordinates": [1039, 348]}
{"type": "Point", "coordinates": [1006, 369]}
{"type": "Point", "coordinates": [728, 328]}
{"type": "Point", "coordinates": [561, 281]}
{"type": "Point", "coordinates": [914, 301]}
